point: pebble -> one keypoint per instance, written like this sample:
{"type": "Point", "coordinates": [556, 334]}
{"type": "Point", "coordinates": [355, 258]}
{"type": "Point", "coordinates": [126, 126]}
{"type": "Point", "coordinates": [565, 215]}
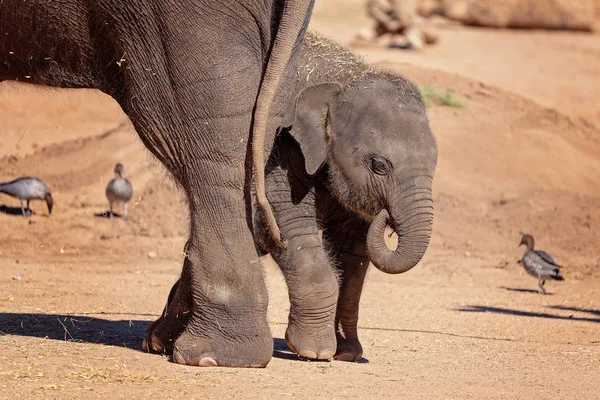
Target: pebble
{"type": "Point", "coordinates": [152, 255]}
{"type": "Point", "coordinates": [17, 278]}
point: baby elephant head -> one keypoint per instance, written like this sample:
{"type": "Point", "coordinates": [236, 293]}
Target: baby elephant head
{"type": "Point", "coordinates": [374, 136]}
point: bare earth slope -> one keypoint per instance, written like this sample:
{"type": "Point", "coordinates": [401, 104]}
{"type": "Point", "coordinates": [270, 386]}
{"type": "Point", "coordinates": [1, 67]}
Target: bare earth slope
{"type": "Point", "coordinates": [466, 323]}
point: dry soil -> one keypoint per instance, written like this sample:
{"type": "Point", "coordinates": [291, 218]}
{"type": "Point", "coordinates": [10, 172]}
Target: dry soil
{"type": "Point", "coordinates": [77, 290]}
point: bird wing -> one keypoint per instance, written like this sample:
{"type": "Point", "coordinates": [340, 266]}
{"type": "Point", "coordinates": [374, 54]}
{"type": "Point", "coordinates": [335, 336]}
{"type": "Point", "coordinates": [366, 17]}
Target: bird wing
{"type": "Point", "coordinates": [547, 257]}
{"type": "Point", "coordinates": [535, 265]}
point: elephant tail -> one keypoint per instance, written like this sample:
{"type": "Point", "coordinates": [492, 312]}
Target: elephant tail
{"type": "Point", "coordinates": [292, 22]}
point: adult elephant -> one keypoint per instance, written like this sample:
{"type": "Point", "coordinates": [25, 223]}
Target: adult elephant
{"type": "Point", "coordinates": [195, 78]}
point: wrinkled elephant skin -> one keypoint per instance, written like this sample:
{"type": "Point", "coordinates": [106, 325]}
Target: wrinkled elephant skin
{"type": "Point", "coordinates": [188, 74]}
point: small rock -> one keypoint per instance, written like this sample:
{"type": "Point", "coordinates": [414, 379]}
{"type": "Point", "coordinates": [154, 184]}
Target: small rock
{"type": "Point", "coordinates": [467, 254]}
{"type": "Point", "coordinates": [152, 255]}
{"type": "Point", "coordinates": [17, 278]}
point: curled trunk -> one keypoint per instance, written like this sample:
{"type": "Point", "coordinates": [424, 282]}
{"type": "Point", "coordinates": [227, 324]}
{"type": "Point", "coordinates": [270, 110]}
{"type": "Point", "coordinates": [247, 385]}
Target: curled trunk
{"type": "Point", "coordinates": [412, 221]}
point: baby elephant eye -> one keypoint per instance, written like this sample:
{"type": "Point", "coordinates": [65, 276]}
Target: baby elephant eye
{"type": "Point", "coordinates": [380, 165]}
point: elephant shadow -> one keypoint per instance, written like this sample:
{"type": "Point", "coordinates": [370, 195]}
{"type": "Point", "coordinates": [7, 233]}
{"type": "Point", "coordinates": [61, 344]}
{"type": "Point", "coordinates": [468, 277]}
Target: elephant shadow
{"type": "Point", "coordinates": [84, 328]}
{"type": "Point", "coordinates": [282, 350]}
{"type": "Point", "coordinates": [77, 328]}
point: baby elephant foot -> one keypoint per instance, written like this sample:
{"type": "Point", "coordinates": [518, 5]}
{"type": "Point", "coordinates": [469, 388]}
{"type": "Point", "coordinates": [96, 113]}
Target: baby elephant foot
{"type": "Point", "coordinates": [348, 349]}
{"type": "Point", "coordinates": [163, 333]}
{"type": "Point", "coordinates": [318, 345]}
{"type": "Point", "coordinates": [311, 334]}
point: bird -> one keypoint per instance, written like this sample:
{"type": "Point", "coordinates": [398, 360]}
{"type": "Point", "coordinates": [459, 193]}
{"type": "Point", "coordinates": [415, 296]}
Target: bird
{"type": "Point", "coordinates": [538, 263]}
{"type": "Point", "coordinates": [119, 190]}
{"type": "Point", "coordinates": [28, 188]}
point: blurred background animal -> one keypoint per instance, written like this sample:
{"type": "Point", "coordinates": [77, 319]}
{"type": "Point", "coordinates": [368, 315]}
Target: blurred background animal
{"type": "Point", "coordinates": [27, 189]}
{"type": "Point", "coordinates": [119, 190]}
{"type": "Point", "coordinates": [397, 18]}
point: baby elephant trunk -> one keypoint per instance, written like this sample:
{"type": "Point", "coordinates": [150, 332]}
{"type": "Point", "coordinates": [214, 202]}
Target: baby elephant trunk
{"type": "Point", "coordinates": [412, 220]}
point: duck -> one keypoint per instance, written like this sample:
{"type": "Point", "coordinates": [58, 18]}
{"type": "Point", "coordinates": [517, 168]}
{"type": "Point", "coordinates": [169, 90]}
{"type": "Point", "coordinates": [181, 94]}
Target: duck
{"type": "Point", "coordinates": [539, 264]}
{"type": "Point", "coordinates": [28, 188]}
{"type": "Point", "coordinates": [119, 190]}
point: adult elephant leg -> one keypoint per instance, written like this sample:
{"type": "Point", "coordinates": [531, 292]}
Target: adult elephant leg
{"type": "Point", "coordinates": [191, 95]}
{"type": "Point", "coordinates": [347, 237]}
{"type": "Point", "coordinates": [312, 284]}
{"type": "Point", "coordinates": [228, 324]}
{"type": "Point", "coordinates": [227, 320]}
{"type": "Point", "coordinates": [216, 314]}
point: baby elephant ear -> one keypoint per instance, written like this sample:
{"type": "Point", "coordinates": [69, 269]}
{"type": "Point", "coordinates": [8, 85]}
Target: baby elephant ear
{"type": "Point", "coordinates": [306, 120]}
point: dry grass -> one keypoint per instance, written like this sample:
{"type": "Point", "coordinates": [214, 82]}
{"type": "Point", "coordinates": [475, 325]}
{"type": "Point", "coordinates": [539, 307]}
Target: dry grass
{"type": "Point", "coordinates": [116, 373]}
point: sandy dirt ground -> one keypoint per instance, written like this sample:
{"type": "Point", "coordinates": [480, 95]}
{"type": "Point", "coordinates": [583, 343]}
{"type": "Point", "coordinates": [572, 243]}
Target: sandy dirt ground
{"type": "Point", "coordinates": [77, 290]}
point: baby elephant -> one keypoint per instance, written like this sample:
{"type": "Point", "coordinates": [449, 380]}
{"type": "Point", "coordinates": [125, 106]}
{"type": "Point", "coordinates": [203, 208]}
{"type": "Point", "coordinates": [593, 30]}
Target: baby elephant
{"type": "Point", "coordinates": [356, 155]}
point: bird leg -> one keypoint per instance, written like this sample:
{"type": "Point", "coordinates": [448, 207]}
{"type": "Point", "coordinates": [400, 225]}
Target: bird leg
{"type": "Point", "coordinates": [110, 213]}
{"type": "Point", "coordinates": [542, 281]}
{"type": "Point", "coordinates": [27, 208]}
{"type": "Point", "coordinates": [22, 208]}
{"type": "Point", "coordinates": [125, 210]}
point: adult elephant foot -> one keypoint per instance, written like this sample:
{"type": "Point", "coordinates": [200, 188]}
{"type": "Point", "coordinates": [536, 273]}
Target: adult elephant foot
{"type": "Point", "coordinates": [163, 333]}
{"type": "Point", "coordinates": [190, 349]}
{"type": "Point", "coordinates": [227, 324]}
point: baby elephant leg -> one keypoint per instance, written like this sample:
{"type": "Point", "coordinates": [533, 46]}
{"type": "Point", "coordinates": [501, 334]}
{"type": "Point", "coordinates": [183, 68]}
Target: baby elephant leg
{"type": "Point", "coordinates": [311, 281]}
{"type": "Point", "coordinates": [354, 270]}
{"type": "Point", "coordinates": [348, 239]}
{"type": "Point", "coordinates": [313, 293]}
